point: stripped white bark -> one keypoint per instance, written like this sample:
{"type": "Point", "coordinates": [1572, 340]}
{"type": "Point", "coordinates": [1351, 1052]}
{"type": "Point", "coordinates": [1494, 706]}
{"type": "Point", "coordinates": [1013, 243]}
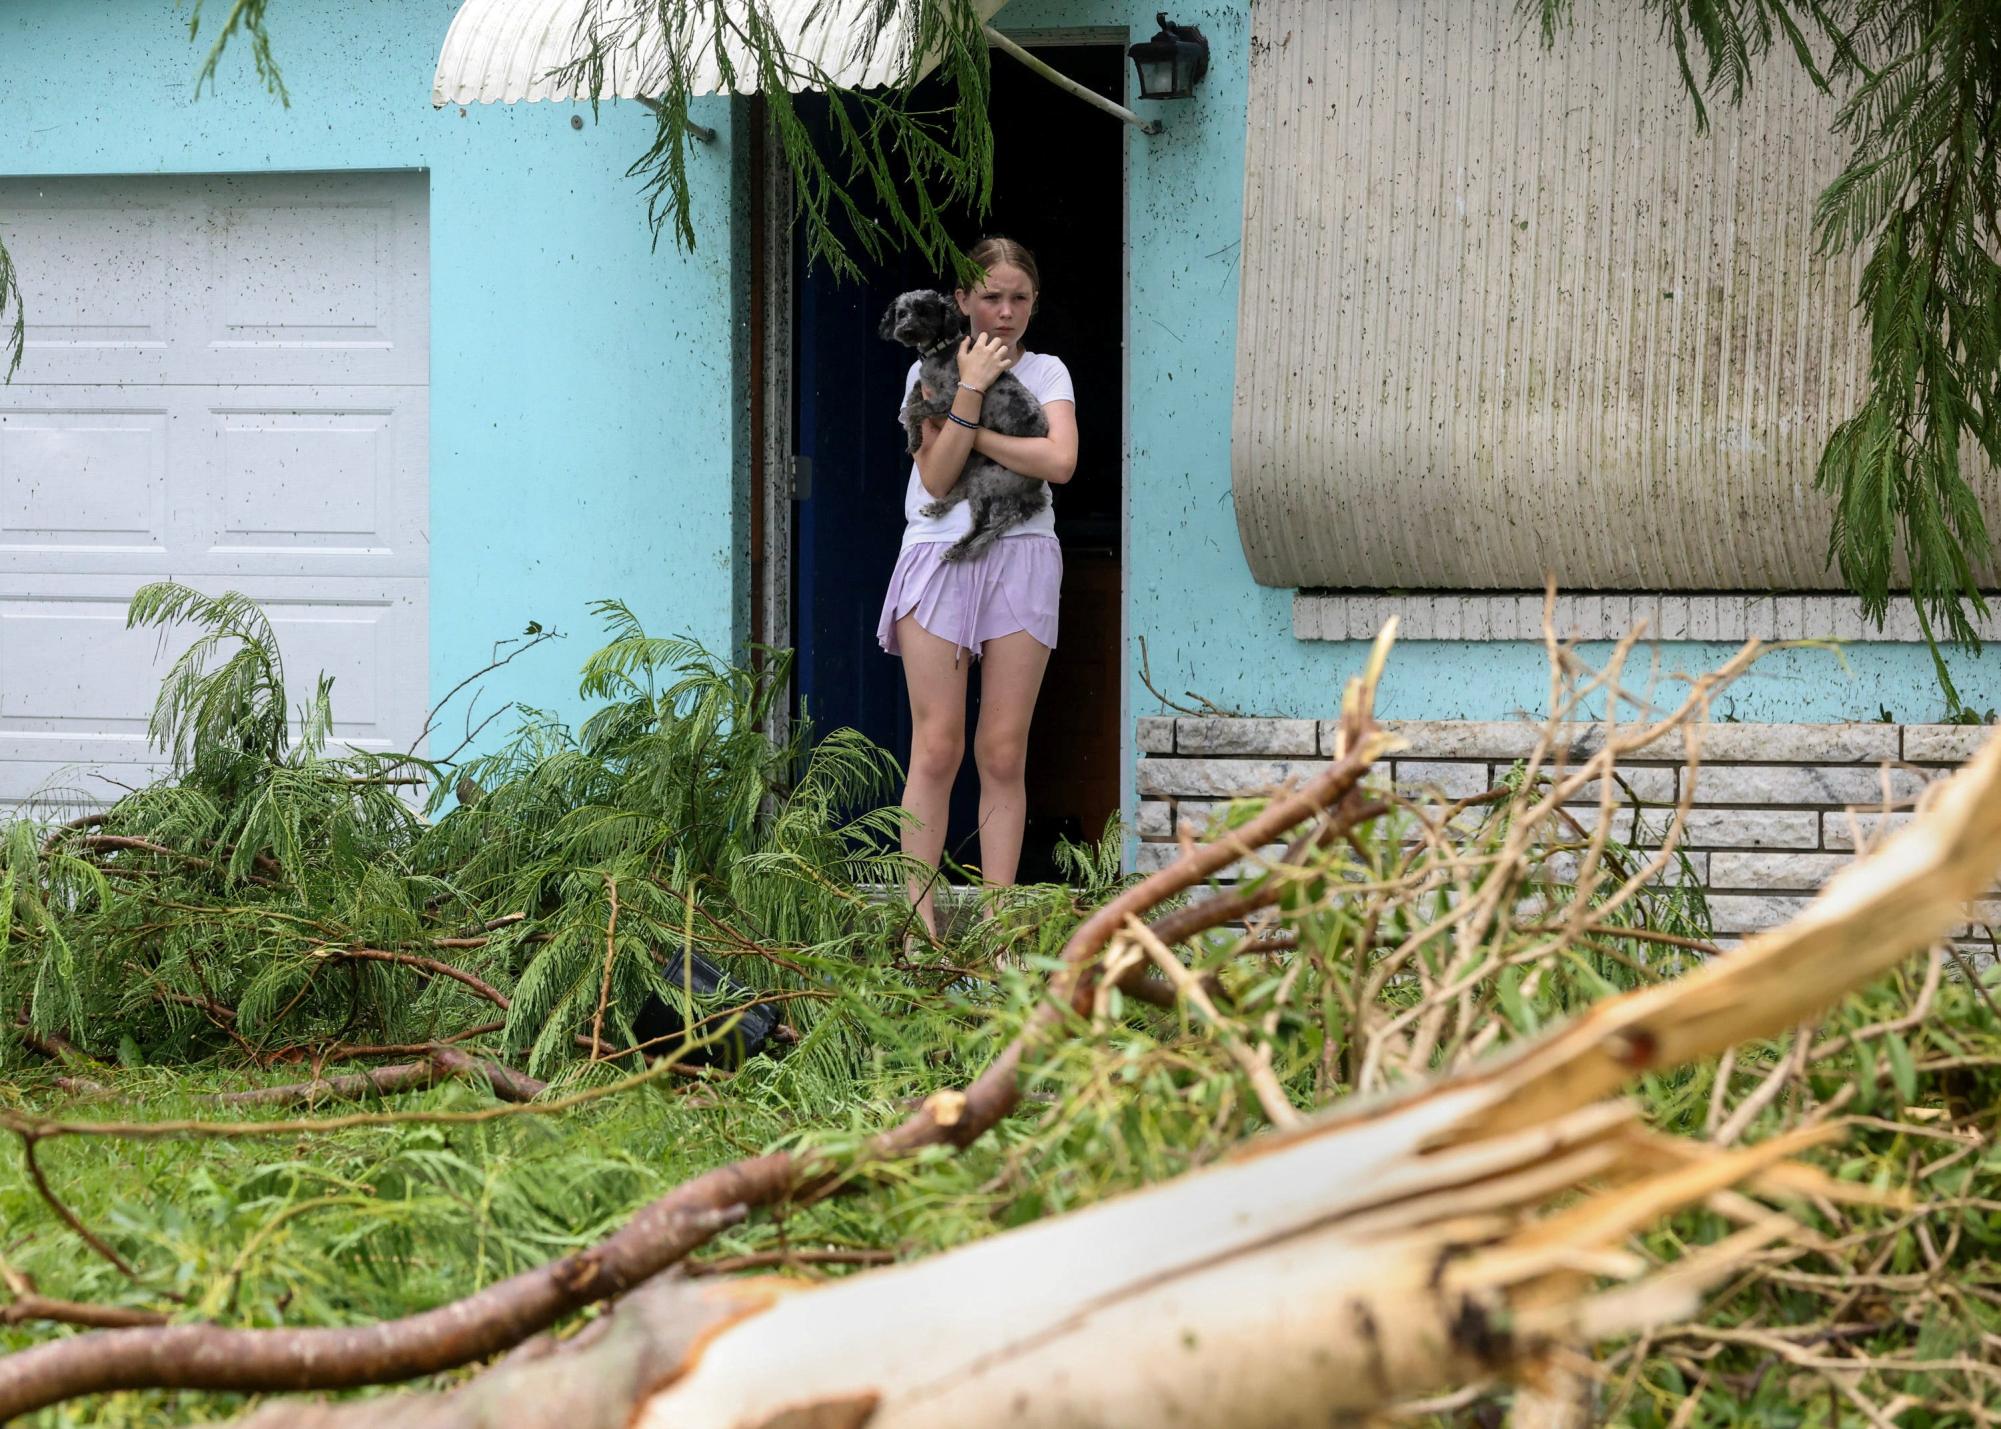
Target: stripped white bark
{"type": "Point", "coordinates": [1376, 1254]}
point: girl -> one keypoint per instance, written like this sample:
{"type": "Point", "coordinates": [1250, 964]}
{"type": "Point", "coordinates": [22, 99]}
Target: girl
{"type": "Point", "coordinates": [1000, 607]}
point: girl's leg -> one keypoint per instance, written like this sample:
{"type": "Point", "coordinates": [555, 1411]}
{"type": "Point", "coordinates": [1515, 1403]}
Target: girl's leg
{"type": "Point", "coordinates": [937, 745]}
{"type": "Point", "coordinates": [1010, 678]}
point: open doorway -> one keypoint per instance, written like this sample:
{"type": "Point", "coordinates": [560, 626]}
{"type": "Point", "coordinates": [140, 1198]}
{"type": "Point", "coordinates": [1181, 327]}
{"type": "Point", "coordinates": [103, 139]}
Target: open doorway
{"type": "Point", "coordinates": [1059, 187]}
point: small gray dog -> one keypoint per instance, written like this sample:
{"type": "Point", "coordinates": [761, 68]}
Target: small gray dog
{"type": "Point", "coordinates": [1000, 499]}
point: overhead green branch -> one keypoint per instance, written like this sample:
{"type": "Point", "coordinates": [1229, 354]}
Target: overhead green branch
{"type": "Point", "coordinates": [896, 170]}
{"type": "Point", "coordinates": [245, 17]}
{"type": "Point", "coordinates": [896, 173]}
{"type": "Point", "coordinates": [16, 340]}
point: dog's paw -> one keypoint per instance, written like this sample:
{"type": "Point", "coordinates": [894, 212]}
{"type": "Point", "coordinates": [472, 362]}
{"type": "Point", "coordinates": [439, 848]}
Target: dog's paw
{"type": "Point", "coordinates": [931, 510]}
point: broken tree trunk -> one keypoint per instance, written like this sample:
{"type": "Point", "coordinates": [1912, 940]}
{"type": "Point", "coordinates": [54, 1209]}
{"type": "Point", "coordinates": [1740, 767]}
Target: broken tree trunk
{"type": "Point", "coordinates": [1377, 1253]}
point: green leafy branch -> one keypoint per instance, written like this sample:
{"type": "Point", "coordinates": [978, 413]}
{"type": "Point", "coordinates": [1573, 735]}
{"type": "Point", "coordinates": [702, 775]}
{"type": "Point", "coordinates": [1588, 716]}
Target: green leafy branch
{"type": "Point", "coordinates": [246, 17]}
{"type": "Point", "coordinates": [16, 341]}
{"type": "Point", "coordinates": [1921, 187]}
{"type": "Point", "coordinates": [914, 164]}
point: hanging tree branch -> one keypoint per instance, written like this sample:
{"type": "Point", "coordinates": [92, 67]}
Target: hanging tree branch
{"type": "Point", "coordinates": [15, 343]}
{"type": "Point", "coordinates": [896, 170]}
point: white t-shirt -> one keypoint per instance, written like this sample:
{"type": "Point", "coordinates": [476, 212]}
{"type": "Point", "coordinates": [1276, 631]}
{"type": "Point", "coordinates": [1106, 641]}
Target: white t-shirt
{"type": "Point", "coordinates": [1049, 380]}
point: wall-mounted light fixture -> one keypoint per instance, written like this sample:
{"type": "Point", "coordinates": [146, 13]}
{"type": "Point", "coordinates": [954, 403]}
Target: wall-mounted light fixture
{"type": "Point", "coordinates": [1172, 62]}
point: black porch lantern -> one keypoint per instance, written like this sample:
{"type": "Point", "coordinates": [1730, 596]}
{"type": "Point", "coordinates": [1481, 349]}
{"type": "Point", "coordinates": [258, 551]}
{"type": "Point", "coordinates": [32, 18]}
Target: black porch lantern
{"type": "Point", "coordinates": [1172, 62]}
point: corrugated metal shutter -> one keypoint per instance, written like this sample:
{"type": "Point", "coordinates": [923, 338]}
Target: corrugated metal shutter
{"type": "Point", "coordinates": [1504, 311]}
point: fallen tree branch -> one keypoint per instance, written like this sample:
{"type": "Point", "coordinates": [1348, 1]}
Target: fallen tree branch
{"type": "Point", "coordinates": [28, 1303]}
{"type": "Point", "coordinates": [69, 1217]}
{"type": "Point", "coordinates": [52, 1046]}
{"type": "Point", "coordinates": [352, 1051]}
{"type": "Point", "coordinates": [785, 1260]}
{"type": "Point", "coordinates": [413, 960]}
{"type": "Point", "coordinates": [24, 1308]}
{"type": "Point", "coordinates": [1400, 1220]}
{"type": "Point", "coordinates": [82, 1086]}
{"type": "Point", "coordinates": [1417, 1223]}
{"type": "Point", "coordinates": [665, 1231]}
{"type": "Point", "coordinates": [610, 959]}
{"type": "Point", "coordinates": [590, 1381]}
{"type": "Point", "coordinates": [1255, 1065]}
{"type": "Point", "coordinates": [441, 1063]}
{"type": "Point", "coordinates": [61, 831]}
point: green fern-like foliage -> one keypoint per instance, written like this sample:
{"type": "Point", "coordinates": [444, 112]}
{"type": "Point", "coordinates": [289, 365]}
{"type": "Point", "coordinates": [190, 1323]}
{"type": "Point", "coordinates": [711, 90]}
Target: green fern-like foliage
{"type": "Point", "coordinates": [277, 892]}
{"type": "Point", "coordinates": [897, 169]}
{"type": "Point", "coordinates": [220, 714]}
{"type": "Point", "coordinates": [1922, 192]}
{"type": "Point", "coordinates": [713, 839]}
{"type": "Point", "coordinates": [246, 18]}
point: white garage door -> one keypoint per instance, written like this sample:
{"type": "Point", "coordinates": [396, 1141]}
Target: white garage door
{"type": "Point", "coordinates": [226, 384]}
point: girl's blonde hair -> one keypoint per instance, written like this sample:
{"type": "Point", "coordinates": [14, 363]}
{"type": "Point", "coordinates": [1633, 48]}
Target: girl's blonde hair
{"type": "Point", "coordinates": [991, 252]}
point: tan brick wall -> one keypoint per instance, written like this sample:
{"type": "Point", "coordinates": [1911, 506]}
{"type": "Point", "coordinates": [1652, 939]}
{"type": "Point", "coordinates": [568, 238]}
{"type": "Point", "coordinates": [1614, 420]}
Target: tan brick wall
{"type": "Point", "coordinates": [1777, 807]}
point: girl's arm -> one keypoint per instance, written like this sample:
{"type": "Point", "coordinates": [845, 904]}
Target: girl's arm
{"type": "Point", "coordinates": [942, 457]}
{"type": "Point", "coordinates": [1052, 458]}
{"type": "Point", "coordinates": [947, 445]}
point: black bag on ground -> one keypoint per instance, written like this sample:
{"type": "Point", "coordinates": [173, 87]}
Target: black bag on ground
{"type": "Point", "coordinates": [660, 1019]}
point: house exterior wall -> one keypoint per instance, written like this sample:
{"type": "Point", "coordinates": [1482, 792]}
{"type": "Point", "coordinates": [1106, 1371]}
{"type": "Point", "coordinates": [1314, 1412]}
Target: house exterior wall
{"type": "Point", "coordinates": [1189, 593]}
{"type": "Point", "coordinates": [1208, 627]}
{"type": "Point", "coordinates": [583, 434]}
{"type": "Point", "coordinates": [1809, 729]}
{"type": "Point", "coordinates": [584, 439]}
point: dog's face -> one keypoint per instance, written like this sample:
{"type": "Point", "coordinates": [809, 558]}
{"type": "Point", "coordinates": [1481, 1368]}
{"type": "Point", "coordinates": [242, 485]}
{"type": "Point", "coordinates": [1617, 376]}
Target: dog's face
{"type": "Point", "coordinates": [921, 318]}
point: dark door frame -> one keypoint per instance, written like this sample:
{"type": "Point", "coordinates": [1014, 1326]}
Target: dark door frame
{"type": "Point", "coordinates": [777, 441]}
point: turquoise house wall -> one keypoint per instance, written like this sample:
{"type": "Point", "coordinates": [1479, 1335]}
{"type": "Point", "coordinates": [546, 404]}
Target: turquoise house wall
{"type": "Point", "coordinates": [585, 435]}
{"type": "Point", "coordinates": [1207, 626]}
{"type": "Point", "coordinates": [584, 441]}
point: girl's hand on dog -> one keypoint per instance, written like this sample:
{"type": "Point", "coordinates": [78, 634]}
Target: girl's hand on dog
{"type": "Point", "coordinates": [982, 360]}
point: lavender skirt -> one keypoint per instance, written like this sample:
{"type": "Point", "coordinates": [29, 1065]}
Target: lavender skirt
{"type": "Point", "coordinates": [1013, 586]}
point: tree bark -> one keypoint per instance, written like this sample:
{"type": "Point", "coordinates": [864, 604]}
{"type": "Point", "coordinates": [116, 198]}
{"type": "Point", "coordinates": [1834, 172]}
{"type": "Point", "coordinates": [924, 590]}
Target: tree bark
{"type": "Point", "coordinates": [591, 1381]}
{"type": "Point", "coordinates": [440, 1064]}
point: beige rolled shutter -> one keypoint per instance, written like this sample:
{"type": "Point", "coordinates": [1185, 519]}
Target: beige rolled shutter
{"type": "Point", "coordinates": [1505, 311]}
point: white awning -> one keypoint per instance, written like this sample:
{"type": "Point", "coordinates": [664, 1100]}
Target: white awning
{"type": "Point", "coordinates": [510, 50]}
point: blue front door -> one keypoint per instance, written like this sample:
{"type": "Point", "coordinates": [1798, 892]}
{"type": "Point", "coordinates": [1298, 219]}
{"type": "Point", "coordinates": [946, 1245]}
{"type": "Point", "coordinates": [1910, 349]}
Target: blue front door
{"type": "Point", "coordinates": [1058, 187]}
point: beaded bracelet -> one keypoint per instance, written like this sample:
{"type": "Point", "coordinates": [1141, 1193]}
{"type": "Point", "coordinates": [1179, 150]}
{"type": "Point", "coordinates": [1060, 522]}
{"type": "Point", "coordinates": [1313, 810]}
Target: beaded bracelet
{"type": "Point", "coordinates": [970, 426]}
